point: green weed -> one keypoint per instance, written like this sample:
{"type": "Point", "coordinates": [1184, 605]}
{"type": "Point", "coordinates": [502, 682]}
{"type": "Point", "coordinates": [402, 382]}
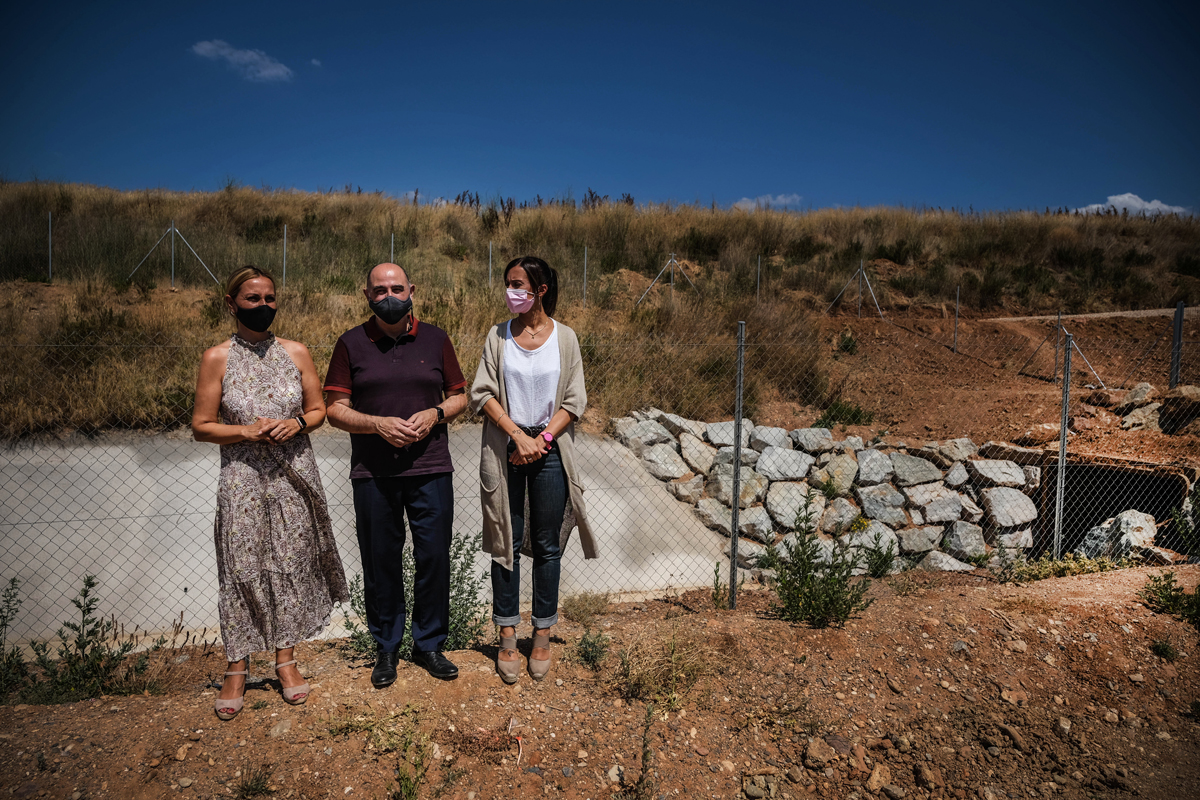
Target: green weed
{"type": "Point", "coordinates": [592, 649]}
{"type": "Point", "coordinates": [880, 560]}
{"type": "Point", "coordinates": [841, 412]}
{"type": "Point", "coordinates": [13, 671]}
{"type": "Point", "coordinates": [255, 782]}
{"type": "Point", "coordinates": [584, 607]}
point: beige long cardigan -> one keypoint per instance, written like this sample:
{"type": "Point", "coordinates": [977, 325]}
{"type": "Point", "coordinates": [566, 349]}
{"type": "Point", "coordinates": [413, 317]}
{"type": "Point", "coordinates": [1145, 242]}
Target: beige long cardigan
{"type": "Point", "coordinates": [493, 460]}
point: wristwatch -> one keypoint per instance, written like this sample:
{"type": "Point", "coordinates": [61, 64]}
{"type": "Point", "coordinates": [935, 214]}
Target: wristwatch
{"type": "Point", "coordinates": [441, 413]}
{"type": "Point", "coordinates": [548, 436]}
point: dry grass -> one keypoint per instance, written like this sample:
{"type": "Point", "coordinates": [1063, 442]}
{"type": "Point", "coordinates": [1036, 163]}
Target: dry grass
{"type": "Point", "coordinates": [661, 668]}
{"type": "Point", "coordinates": [583, 608]}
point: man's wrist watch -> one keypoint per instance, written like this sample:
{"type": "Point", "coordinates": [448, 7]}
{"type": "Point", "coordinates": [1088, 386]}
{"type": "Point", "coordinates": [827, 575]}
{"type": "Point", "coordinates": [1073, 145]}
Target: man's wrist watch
{"type": "Point", "coordinates": [441, 414]}
{"type": "Point", "coordinates": [548, 436]}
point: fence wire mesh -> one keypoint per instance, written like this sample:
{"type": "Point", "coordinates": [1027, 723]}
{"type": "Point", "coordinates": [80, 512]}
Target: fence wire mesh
{"type": "Point", "coordinates": [130, 498]}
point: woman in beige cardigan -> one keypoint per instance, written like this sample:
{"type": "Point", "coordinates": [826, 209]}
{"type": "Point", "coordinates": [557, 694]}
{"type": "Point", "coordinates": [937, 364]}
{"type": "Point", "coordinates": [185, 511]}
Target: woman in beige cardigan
{"type": "Point", "coordinates": [529, 388]}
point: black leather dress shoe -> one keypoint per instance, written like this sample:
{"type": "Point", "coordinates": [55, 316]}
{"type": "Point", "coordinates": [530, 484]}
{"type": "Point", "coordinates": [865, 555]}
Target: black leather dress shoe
{"type": "Point", "coordinates": [384, 673]}
{"type": "Point", "coordinates": [435, 664]}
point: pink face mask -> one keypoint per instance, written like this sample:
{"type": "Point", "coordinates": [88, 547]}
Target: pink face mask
{"type": "Point", "coordinates": [519, 301]}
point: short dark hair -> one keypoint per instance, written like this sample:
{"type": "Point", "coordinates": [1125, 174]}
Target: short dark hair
{"type": "Point", "coordinates": [540, 274]}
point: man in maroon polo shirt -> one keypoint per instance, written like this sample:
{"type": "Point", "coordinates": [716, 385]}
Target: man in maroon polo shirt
{"type": "Point", "coordinates": [393, 384]}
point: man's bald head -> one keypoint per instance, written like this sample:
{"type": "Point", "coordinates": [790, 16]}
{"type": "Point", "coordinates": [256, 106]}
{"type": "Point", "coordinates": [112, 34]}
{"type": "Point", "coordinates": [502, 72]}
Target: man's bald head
{"type": "Point", "coordinates": [386, 274]}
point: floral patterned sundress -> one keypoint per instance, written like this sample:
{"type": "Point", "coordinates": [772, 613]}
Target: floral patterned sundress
{"type": "Point", "coordinates": [278, 566]}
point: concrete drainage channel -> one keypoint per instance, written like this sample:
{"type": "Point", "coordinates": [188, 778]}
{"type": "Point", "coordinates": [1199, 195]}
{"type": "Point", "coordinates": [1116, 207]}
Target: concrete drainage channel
{"type": "Point", "coordinates": [944, 506]}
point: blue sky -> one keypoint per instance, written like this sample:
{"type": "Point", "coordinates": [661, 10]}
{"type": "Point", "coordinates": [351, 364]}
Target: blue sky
{"type": "Point", "coordinates": [995, 106]}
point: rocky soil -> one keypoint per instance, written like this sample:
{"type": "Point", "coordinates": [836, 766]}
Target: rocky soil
{"type": "Point", "coordinates": [950, 685]}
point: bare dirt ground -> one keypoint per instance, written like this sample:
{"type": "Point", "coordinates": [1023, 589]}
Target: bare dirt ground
{"type": "Point", "coordinates": [955, 687]}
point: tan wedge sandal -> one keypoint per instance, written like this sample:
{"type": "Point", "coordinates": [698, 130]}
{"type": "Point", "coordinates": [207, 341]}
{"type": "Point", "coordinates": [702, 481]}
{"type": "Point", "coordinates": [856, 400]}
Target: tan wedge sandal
{"type": "Point", "coordinates": [295, 695]}
{"type": "Point", "coordinates": [509, 671]}
{"type": "Point", "coordinates": [228, 709]}
{"type": "Point", "coordinates": [538, 667]}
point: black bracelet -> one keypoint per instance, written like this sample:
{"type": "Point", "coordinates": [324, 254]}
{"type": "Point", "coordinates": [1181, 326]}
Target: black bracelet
{"type": "Point", "coordinates": [302, 421]}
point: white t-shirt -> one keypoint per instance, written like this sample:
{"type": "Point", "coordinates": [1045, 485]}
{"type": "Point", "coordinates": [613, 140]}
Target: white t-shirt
{"type": "Point", "coordinates": [531, 378]}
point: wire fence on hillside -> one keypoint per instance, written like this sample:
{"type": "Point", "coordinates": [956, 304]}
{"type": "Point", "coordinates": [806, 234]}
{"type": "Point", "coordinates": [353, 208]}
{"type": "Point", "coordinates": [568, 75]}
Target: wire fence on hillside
{"type": "Point", "coordinates": [115, 487]}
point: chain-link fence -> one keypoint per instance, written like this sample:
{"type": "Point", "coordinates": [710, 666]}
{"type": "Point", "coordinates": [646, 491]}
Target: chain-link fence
{"type": "Point", "coordinates": [135, 508]}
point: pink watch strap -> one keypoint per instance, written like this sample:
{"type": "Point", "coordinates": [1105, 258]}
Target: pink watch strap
{"type": "Point", "coordinates": [548, 436]}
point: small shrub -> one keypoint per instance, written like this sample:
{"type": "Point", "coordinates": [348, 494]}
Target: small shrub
{"type": "Point", "coordinates": [1162, 594]}
{"type": "Point", "coordinates": [905, 585]}
{"type": "Point", "coordinates": [592, 650]}
{"type": "Point", "coordinates": [467, 620]}
{"type": "Point", "coordinates": [13, 671]}
{"type": "Point", "coordinates": [646, 785]}
{"type": "Point", "coordinates": [879, 561]}
{"type": "Point", "coordinates": [847, 343]}
{"type": "Point", "coordinates": [810, 590]}
{"type": "Point", "coordinates": [661, 669]}
{"type": "Point", "coordinates": [255, 782]}
{"type": "Point", "coordinates": [1186, 522]}
{"type": "Point", "coordinates": [840, 412]}
{"type": "Point", "coordinates": [583, 608]}
{"type": "Point", "coordinates": [1070, 564]}
{"type": "Point", "coordinates": [1164, 649]}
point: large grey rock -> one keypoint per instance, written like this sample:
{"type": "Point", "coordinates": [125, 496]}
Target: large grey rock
{"type": "Point", "coordinates": [720, 434]}
{"type": "Point", "coordinates": [664, 463]}
{"type": "Point", "coordinates": [720, 485]}
{"type": "Point", "coordinates": [994, 472]}
{"type": "Point", "coordinates": [755, 523]}
{"type": "Point", "coordinates": [916, 517]}
{"type": "Point", "coordinates": [882, 502]}
{"type": "Point", "coordinates": [865, 539]}
{"type": "Point", "coordinates": [814, 440]}
{"type": "Point", "coordinates": [838, 515]}
{"type": "Point", "coordinates": [715, 515]}
{"type": "Point", "coordinates": [1008, 508]}
{"type": "Point", "coordinates": [678, 426]}
{"type": "Point", "coordinates": [621, 428]}
{"type": "Point", "coordinates": [778, 464]}
{"type": "Point", "coordinates": [1117, 536]}
{"type": "Point", "coordinates": [762, 437]}
{"type": "Point", "coordinates": [873, 467]}
{"type": "Point", "coordinates": [1144, 418]}
{"type": "Point", "coordinates": [1033, 478]}
{"type": "Point", "coordinates": [854, 443]}
{"type": "Point", "coordinates": [1139, 395]}
{"type": "Point", "coordinates": [971, 511]}
{"type": "Point", "coordinates": [964, 541]}
{"type": "Point", "coordinates": [698, 455]}
{"type": "Point", "coordinates": [958, 449]}
{"type": "Point", "coordinates": [919, 540]}
{"type": "Point", "coordinates": [938, 561]}
{"type": "Point", "coordinates": [748, 552]}
{"type": "Point", "coordinates": [1010, 452]}
{"type": "Point", "coordinates": [1017, 540]}
{"type": "Point", "coordinates": [689, 490]}
{"type": "Point", "coordinates": [785, 499]}
{"type": "Point", "coordinates": [933, 454]}
{"type": "Point", "coordinates": [839, 473]}
{"type": "Point", "coordinates": [645, 434]}
{"type": "Point", "coordinates": [911, 470]}
{"type": "Point", "coordinates": [957, 475]}
{"type": "Point", "coordinates": [936, 502]}
{"type": "Point", "coordinates": [725, 456]}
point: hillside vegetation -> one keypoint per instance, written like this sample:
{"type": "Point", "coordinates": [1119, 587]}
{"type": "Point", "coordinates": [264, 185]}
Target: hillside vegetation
{"type": "Point", "coordinates": [95, 351]}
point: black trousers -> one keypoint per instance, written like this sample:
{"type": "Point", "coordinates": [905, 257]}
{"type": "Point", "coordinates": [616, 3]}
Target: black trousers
{"type": "Point", "coordinates": [380, 506]}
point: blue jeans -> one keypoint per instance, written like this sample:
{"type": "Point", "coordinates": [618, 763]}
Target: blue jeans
{"type": "Point", "coordinates": [545, 480]}
{"type": "Point", "coordinates": [380, 506]}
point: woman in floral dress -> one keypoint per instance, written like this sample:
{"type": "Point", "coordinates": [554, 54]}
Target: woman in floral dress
{"type": "Point", "coordinates": [277, 564]}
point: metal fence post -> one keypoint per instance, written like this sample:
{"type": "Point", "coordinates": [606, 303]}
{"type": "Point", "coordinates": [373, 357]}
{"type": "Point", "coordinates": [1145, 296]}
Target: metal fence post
{"type": "Point", "coordinates": [172, 254]}
{"type": "Point", "coordinates": [585, 276]}
{"type": "Point", "coordinates": [283, 281]}
{"type": "Point", "coordinates": [860, 277]}
{"type": "Point", "coordinates": [1177, 345]}
{"type": "Point", "coordinates": [737, 466]}
{"type": "Point", "coordinates": [1060, 489]}
{"type": "Point", "coordinates": [50, 249]}
{"type": "Point", "coordinates": [1057, 341]}
{"type": "Point", "coordinates": [957, 292]}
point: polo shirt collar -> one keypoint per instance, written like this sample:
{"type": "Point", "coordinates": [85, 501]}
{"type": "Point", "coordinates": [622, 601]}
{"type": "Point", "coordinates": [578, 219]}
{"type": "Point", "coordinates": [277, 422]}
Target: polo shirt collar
{"type": "Point", "coordinates": [375, 333]}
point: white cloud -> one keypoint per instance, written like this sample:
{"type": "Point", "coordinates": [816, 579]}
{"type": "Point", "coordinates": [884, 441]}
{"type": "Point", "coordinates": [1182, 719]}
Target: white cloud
{"type": "Point", "coordinates": [1134, 205]}
{"type": "Point", "coordinates": [316, 62]}
{"type": "Point", "coordinates": [255, 65]}
{"type": "Point", "coordinates": [768, 201]}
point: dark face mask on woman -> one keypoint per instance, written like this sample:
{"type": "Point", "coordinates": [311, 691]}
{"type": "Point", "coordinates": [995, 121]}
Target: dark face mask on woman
{"type": "Point", "coordinates": [391, 309]}
{"type": "Point", "coordinates": [257, 319]}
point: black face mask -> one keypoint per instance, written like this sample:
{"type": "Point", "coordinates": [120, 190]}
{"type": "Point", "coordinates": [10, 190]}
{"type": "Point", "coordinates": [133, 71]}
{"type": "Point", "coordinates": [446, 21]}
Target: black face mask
{"type": "Point", "coordinates": [257, 319]}
{"type": "Point", "coordinates": [391, 309]}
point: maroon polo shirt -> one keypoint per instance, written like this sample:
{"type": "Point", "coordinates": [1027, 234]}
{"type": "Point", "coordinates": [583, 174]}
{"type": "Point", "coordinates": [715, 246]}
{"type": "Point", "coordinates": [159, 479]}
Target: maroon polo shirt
{"type": "Point", "coordinates": [388, 377]}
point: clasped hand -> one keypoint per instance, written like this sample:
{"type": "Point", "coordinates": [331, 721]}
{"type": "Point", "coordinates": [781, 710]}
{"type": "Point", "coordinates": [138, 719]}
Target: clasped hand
{"type": "Point", "coordinates": [399, 432]}
{"type": "Point", "coordinates": [275, 431]}
{"type": "Point", "coordinates": [529, 449]}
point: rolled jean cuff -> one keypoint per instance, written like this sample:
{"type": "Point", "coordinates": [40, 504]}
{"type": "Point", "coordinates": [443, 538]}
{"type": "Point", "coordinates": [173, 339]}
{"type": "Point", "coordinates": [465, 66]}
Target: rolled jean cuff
{"type": "Point", "coordinates": [541, 623]}
{"type": "Point", "coordinates": [507, 622]}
